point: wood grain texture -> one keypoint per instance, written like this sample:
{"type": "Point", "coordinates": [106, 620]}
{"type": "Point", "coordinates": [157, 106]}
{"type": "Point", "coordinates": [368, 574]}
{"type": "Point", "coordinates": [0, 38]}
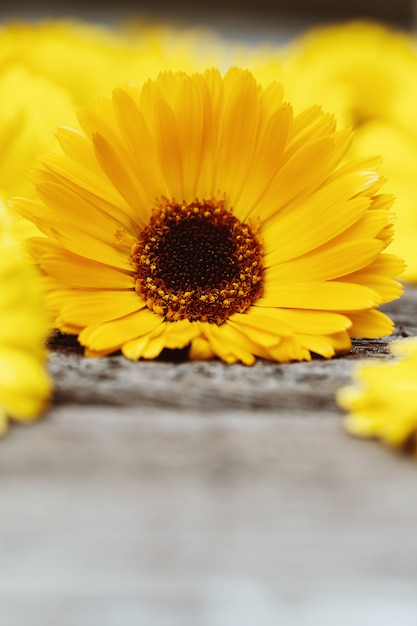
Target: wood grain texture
{"type": "Point", "coordinates": [179, 494]}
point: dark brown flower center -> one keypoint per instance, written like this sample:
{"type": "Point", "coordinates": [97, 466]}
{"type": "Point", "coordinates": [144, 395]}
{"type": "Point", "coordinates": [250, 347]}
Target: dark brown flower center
{"type": "Point", "coordinates": [197, 262]}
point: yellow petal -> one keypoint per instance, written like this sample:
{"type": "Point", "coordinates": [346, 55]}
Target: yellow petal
{"type": "Point", "coordinates": [330, 296]}
{"type": "Point", "coordinates": [112, 335]}
{"type": "Point", "coordinates": [370, 324]}
{"type": "Point", "coordinates": [85, 308]}
{"type": "Point", "coordinates": [326, 263]}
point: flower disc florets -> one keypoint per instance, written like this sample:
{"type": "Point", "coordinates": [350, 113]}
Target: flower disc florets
{"type": "Point", "coordinates": [198, 262]}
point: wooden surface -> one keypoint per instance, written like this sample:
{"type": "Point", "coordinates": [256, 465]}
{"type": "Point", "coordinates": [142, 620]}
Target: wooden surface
{"type": "Point", "coordinates": [187, 494]}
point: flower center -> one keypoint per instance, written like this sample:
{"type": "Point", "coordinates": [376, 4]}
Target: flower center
{"type": "Point", "coordinates": [197, 262]}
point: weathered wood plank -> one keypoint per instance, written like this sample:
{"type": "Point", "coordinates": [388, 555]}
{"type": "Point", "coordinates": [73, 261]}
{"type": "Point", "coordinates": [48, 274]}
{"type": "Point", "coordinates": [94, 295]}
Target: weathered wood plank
{"type": "Point", "coordinates": [242, 503]}
{"type": "Point", "coordinates": [190, 518]}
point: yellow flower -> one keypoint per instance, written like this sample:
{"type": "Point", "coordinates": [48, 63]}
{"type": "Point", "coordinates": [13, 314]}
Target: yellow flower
{"type": "Point", "coordinates": [87, 60]}
{"type": "Point", "coordinates": [38, 95]}
{"type": "Point", "coordinates": [198, 211]}
{"type": "Point", "coordinates": [359, 70]}
{"type": "Point", "coordinates": [24, 384]}
{"type": "Point", "coordinates": [365, 73]}
{"type": "Point", "coordinates": [32, 108]}
{"type": "Point", "coordinates": [383, 402]}
{"type": "Point", "coordinates": [49, 68]}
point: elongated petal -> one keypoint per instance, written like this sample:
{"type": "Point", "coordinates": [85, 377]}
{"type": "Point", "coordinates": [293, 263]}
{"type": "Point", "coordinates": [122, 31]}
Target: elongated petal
{"type": "Point", "coordinates": [113, 334]}
{"type": "Point", "coordinates": [330, 296]}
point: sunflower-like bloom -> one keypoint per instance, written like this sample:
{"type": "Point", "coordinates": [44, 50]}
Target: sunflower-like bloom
{"type": "Point", "coordinates": [24, 384]}
{"type": "Point", "coordinates": [197, 211]}
{"type": "Point", "coordinates": [383, 402]}
{"type": "Point", "coordinates": [365, 73]}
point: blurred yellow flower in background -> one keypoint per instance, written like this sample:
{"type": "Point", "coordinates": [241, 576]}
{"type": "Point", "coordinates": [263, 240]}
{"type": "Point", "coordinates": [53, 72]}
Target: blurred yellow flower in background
{"type": "Point", "coordinates": [88, 60]}
{"type": "Point", "coordinates": [366, 74]}
{"type": "Point", "coordinates": [198, 211]}
{"type": "Point", "coordinates": [50, 68]}
{"type": "Point", "coordinates": [383, 402]}
{"type": "Point", "coordinates": [25, 386]}
{"type": "Point", "coordinates": [32, 107]}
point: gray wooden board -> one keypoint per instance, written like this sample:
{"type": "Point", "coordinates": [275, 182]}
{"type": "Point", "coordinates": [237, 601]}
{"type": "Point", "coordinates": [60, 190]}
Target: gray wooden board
{"type": "Point", "coordinates": [178, 494]}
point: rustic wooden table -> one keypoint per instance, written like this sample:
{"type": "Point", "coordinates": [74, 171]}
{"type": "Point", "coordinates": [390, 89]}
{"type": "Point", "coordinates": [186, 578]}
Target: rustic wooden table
{"type": "Point", "coordinates": [186, 494]}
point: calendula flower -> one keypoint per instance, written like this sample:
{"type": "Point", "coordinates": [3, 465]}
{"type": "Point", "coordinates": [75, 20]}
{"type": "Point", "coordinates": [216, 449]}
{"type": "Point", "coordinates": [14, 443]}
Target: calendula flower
{"type": "Point", "coordinates": [365, 73]}
{"type": "Point", "coordinates": [197, 211]}
{"type": "Point", "coordinates": [24, 384]}
{"type": "Point", "coordinates": [383, 402]}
